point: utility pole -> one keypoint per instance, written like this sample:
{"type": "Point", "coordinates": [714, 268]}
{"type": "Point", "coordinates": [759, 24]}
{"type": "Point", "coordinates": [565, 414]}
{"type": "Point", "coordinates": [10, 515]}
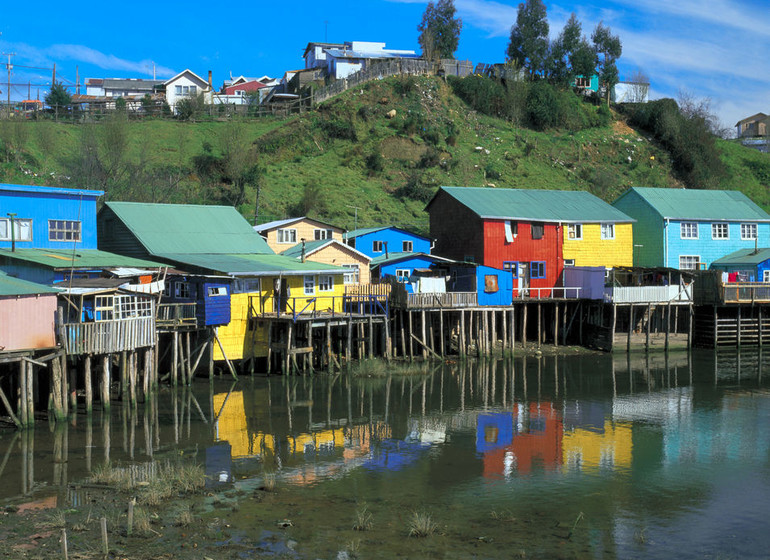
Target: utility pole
{"type": "Point", "coordinates": [355, 219]}
{"type": "Point", "coordinates": [9, 55]}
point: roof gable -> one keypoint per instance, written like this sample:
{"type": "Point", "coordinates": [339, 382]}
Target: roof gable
{"type": "Point", "coordinates": [365, 231]}
{"type": "Point", "coordinates": [699, 204]}
{"type": "Point", "coordinates": [319, 244]}
{"type": "Point", "coordinates": [189, 228]}
{"type": "Point", "coordinates": [190, 74]}
{"type": "Point", "coordinates": [275, 224]}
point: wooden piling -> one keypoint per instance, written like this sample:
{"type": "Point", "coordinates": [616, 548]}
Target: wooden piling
{"type": "Point", "coordinates": [556, 325]}
{"type": "Point", "coordinates": [463, 348]}
{"type": "Point", "coordinates": [88, 383]}
{"type": "Point", "coordinates": [630, 327]}
{"type": "Point", "coordinates": [539, 325]}
{"type": "Point", "coordinates": [105, 386]}
{"type": "Point", "coordinates": [441, 335]}
{"type": "Point", "coordinates": [371, 337]}
{"type": "Point", "coordinates": [524, 325]}
{"type": "Point", "coordinates": [175, 359]}
{"type": "Point", "coordinates": [56, 390]}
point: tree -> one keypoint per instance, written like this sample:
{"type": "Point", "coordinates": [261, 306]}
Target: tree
{"type": "Point", "coordinates": [571, 54]}
{"type": "Point", "coordinates": [58, 96]}
{"type": "Point", "coordinates": [528, 46]}
{"type": "Point", "coordinates": [640, 87]}
{"type": "Point", "coordinates": [609, 48]}
{"type": "Point", "coordinates": [439, 30]}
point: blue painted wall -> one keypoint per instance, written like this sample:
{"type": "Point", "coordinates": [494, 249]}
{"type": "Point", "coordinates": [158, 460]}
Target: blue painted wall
{"type": "Point", "coordinates": [705, 247]}
{"type": "Point", "coordinates": [394, 238]}
{"type": "Point", "coordinates": [209, 310]}
{"type": "Point", "coordinates": [756, 273]}
{"type": "Point", "coordinates": [41, 204]}
{"type": "Point", "coordinates": [504, 293]}
{"type": "Point", "coordinates": [409, 264]}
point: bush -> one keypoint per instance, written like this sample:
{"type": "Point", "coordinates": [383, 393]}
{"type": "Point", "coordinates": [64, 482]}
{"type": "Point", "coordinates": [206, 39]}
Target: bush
{"type": "Point", "coordinates": [375, 162]}
{"type": "Point", "coordinates": [338, 128]}
{"type": "Point", "coordinates": [483, 94]}
{"type": "Point", "coordinates": [543, 107]}
{"type": "Point", "coordinates": [431, 158]}
{"type": "Point", "coordinates": [420, 186]}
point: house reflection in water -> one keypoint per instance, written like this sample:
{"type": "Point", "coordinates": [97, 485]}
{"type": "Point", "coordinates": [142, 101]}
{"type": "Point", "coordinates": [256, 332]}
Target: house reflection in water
{"type": "Point", "coordinates": [593, 440]}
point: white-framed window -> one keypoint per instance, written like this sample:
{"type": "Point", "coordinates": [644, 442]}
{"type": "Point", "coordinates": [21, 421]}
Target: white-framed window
{"type": "Point", "coordinates": [103, 308]}
{"type": "Point", "coordinates": [688, 230]}
{"type": "Point", "coordinates": [402, 274]}
{"type": "Point", "coordinates": [64, 230]}
{"type": "Point", "coordinates": [748, 231]}
{"type": "Point", "coordinates": [689, 262]}
{"type": "Point", "coordinates": [575, 231]}
{"type": "Point", "coordinates": [132, 307]}
{"type": "Point", "coordinates": [407, 246]}
{"type": "Point", "coordinates": [309, 285]}
{"type": "Point", "coordinates": [720, 230]}
{"type": "Point", "coordinates": [608, 231]}
{"type": "Point", "coordinates": [352, 273]}
{"type": "Point", "coordinates": [22, 229]}
{"type": "Point", "coordinates": [766, 276]}
{"type": "Point", "coordinates": [376, 246]}
{"type": "Point", "coordinates": [178, 90]}
{"type": "Point", "coordinates": [182, 290]}
{"type": "Point", "coordinates": [287, 235]}
{"type": "Point", "coordinates": [322, 234]}
{"type": "Point", "coordinates": [216, 291]}
{"type": "Point", "coordinates": [247, 286]}
{"type": "Point", "coordinates": [569, 262]}
{"type": "Point", "coordinates": [326, 283]}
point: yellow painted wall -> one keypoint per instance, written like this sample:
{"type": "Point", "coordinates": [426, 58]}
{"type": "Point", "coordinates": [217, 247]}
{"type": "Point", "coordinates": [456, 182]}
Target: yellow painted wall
{"type": "Point", "coordinates": [338, 256]}
{"type": "Point", "coordinates": [236, 338]}
{"type": "Point", "coordinates": [592, 250]}
{"type": "Point", "coordinates": [305, 229]}
{"type": "Point", "coordinates": [590, 446]}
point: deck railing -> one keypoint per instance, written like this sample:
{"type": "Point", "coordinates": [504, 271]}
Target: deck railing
{"type": "Point", "coordinates": [317, 306]}
{"type": "Point", "coordinates": [107, 337]}
{"type": "Point", "coordinates": [176, 315]}
{"type": "Point", "coordinates": [746, 292]}
{"type": "Point", "coordinates": [445, 300]}
{"type": "Point", "coordinates": [648, 294]}
{"type": "Point", "coordinates": [556, 292]}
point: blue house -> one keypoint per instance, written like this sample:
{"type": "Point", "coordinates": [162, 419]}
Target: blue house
{"type": "Point", "coordinates": [387, 240]}
{"type": "Point", "coordinates": [401, 266]}
{"type": "Point", "coordinates": [210, 294]}
{"type": "Point", "coordinates": [493, 286]}
{"type": "Point", "coordinates": [745, 265]}
{"type": "Point", "coordinates": [689, 229]}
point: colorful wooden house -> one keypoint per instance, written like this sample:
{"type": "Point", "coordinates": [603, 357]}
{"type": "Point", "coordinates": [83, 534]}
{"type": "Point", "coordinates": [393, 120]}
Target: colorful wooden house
{"type": "Point", "coordinates": [690, 228]}
{"type": "Point", "coordinates": [284, 234]}
{"type": "Point", "coordinates": [401, 266]}
{"type": "Point", "coordinates": [196, 300]}
{"type": "Point", "coordinates": [334, 252]}
{"type": "Point", "coordinates": [532, 233]}
{"type": "Point", "coordinates": [27, 312]}
{"type": "Point", "coordinates": [217, 240]}
{"type": "Point", "coordinates": [745, 265]}
{"type": "Point", "coordinates": [386, 240]}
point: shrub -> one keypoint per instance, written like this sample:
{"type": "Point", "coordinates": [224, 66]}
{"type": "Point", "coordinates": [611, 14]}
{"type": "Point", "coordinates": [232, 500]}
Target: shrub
{"type": "Point", "coordinates": [337, 128]}
{"type": "Point", "coordinates": [483, 94]}
{"type": "Point", "coordinates": [375, 162]}
{"type": "Point", "coordinates": [543, 107]}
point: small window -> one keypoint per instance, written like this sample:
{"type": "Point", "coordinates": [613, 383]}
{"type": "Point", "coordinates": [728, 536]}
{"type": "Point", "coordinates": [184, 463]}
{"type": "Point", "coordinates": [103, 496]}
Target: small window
{"type": "Point", "coordinates": [575, 231]}
{"type": "Point", "coordinates": [287, 236]}
{"type": "Point", "coordinates": [309, 285]}
{"type": "Point", "coordinates": [402, 274]}
{"type": "Point", "coordinates": [325, 283]}
{"type": "Point", "coordinates": [352, 273]}
{"type": "Point", "coordinates": [376, 246]}
{"type": "Point", "coordinates": [766, 276]}
{"type": "Point", "coordinates": [103, 308]}
{"type": "Point", "coordinates": [246, 286]}
{"type": "Point", "coordinates": [720, 231]}
{"type": "Point", "coordinates": [407, 246]}
{"type": "Point", "coordinates": [608, 231]}
{"type": "Point", "coordinates": [5, 229]}
{"type": "Point", "coordinates": [569, 262]}
{"type": "Point", "coordinates": [537, 269]}
{"type": "Point", "coordinates": [178, 90]}
{"type": "Point", "coordinates": [689, 262]}
{"type": "Point", "coordinates": [748, 231]}
{"type": "Point", "coordinates": [193, 90]}
{"type": "Point", "coordinates": [216, 291]}
{"type": "Point", "coordinates": [322, 234]}
{"type": "Point", "coordinates": [182, 290]}
{"type": "Point", "coordinates": [22, 229]}
{"type": "Point", "coordinates": [490, 283]}
{"type": "Point", "coordinates": [538, 231]}
{"type": "Point", "coordinates": [689, 230]}
{"type": "Point", "coordinates": [63, 230]}
{"type": "Point", "coordinates": [513, 266]}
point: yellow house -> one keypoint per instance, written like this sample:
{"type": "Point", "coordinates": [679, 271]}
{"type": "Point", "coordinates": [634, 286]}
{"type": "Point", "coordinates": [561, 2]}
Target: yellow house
{"type": "Point", "coordinates": [337, 253]}
{"type": "Point", "coordinates": [284, 234]}
{"type": "Point", "coordinates": [607, 244]}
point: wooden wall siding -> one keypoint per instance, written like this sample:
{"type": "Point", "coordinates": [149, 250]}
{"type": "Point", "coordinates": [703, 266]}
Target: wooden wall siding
{"type": "Point", "coordinates": [648, 230]}
{"type": "Point", "coordinates": [457, 231]}
{"type": "Point", "coordinates": [107, 337]}
{"type": "Point", "coordinates": [525, 249]}
{"type": "Point", "coordinates": [709, 249]}
{"type": "Point", "coordinates": [339, 256]}
{"type": "Point", "coordinates": [115, 237]}
{"type": "Point", "coordinates": [394, 239]}
{"type": "Point", "coordinates": [305, 229]}
{"type": "Point", "coordinates": [27, 322]}
{"type": "Point", "coordinates": [592, 250]}
{"type": "Point", "coordinates": [213, 310]}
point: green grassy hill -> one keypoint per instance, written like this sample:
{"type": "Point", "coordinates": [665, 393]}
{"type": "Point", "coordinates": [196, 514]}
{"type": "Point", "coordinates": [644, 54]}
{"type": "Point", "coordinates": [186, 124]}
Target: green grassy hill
{"type": "Point", "coordinates": [382, 149]}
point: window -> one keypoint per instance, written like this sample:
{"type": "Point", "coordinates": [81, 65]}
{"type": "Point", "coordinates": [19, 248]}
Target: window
{"type": "Point", "coordinates": [309, 285]}
{"type": "Point", "coordinates": [193, 90]}
{"type": "Point", "coordinates": [325, 283]}
{"type": "Point", "coordinates": [575, 231]}
{"type": "Point", "coordinates": [582, 82]}
{"type": "Point", "coordinates": [569, 262]}
{"type": "Point", "coordinates": [537, 269]}
{"type": "Point", "coordinates": [246, 286]}
{"type": "Point", "coordinates": [688, 262]}
{"type": "Point", "coordinates": [132, 307]}
{"type": "Point", "coordinates": [720, 231]}
{"type": "Point", "coordinates": [352, 274]}
{"type": "Point", "coordinates": [538, 231]}
{"type": "Point", "coordinates": [608, 231]}
{"type": "Point", "coordinates": [322, 233]}
{"type": "Point", "coordinates": [402, 274]}
{"type": "Point", "coordinates": [103, 308]}
{"type": "Point", "coordinates": [766, 276]}
{"type": "Point", "coordinates": [407, 246]}
{"type": "Point", "coordinates": [513, 267]}
{"type": "Point", "coordinates": [63, 230]}
{"type": "Point", "coordinates": [215, 291]}
{"type": "Point", "coordinates": [182, 290]}
{"type": "Point", "coordinates": [22, 229]}
{"type": "Point", "coordinates": [688, 230]}
{"type": "Point", "coordinates": [178, 90]}
{"type": "Point", "coordinates": [748, 231]}
{"type": "Point", "coordinates": [376, 246]}
{"type": "Point", "coordinates": [287, 236]}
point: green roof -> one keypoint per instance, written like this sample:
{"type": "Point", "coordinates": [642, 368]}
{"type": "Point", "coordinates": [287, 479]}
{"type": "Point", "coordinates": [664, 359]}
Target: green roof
{"type": "Point", "coordinates": [697, 204]}
{"type": "Point", "coordinates": [534, 205]}
{"type": "Point", "coordinates": [363, 231]}
{"type": "Point", "coordinates": [744, 256]}
{"type": "Point", "coordinates": [399, 256]}
{"type": "Point", "coordinates": [295, 251]}
{"type": "Point", "coordinates": [251, 265]}
{"type": "Point", "coordinates": [81, 259]}
{"type": "Point", "coordinates": [189, 228]}
{"type": "Point", "coordinates": [10, 286]}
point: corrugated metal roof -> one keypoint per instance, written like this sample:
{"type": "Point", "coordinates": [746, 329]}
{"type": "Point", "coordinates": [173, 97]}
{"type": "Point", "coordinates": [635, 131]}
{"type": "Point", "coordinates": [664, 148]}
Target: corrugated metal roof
{"type": "Point", "coordinates": [188, 228]}
{"type": "Point", "coordinates": [395, 257]}
{"type": "Point", "coordinates": [744, 256]}
{"type": "Point", "coordinates": [10, 286]}
{"type": "Point", "coordinates": [363, 231]}
{"type": "Point", "coordinates": [276, 223]}
{"type": "Point", "coordinates": [535, 205]}
{"type": "Point", "coordinates": [251, 265]}
{"type": "Point", "coordinates": [698, 204]}
{"type": "Point", "coordinates": [318, 244]}
{"type": "Point", "coordinates": [50, 190]}
{"type": "Point", "coordinates": [81, 259]}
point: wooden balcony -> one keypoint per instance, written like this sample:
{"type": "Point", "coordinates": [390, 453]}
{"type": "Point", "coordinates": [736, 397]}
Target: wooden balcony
{"type": "Point", "coordinates": [175, 315]}
{"type": "Point", "coordinates": [746, 292]}
{"type": "Point", "coordinates": [446, 300]}
{"type": "Point", "coordinates": [649, 294]}
{"type": "Point", "coordinates": [107, 337]}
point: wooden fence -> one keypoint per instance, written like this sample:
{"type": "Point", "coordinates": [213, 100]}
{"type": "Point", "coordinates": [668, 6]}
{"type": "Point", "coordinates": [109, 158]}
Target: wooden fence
{"type": "Point", "coordinates": [107, 337]}
{"type": "Point", "coordinates": [176, 315]}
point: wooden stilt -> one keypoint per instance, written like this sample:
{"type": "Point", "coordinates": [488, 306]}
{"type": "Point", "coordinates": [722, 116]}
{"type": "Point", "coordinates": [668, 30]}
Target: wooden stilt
{"type": "Point", "coordinates": [88, 383]}
{"type": "Point", "coordinates": [463, 348]}
{"type": "Point", "coordinates": [760, 332]}
{"type": "Point", "coordinates": [486, 333]}
{"type": "Point", "coordinates": [105, 387]}
{"type": "Point", "coordinates": [132, 377]}
{"type": "Point", "coordinates": [211, 354]}
{"type": "Point", "coordinates": [716, 327]}
{"type": "Point", "coordinates": [512, 329]}
{"type": "Point", "coordinates": [738, 340]}
{"type": "Point", "coordinates": [269, 346]}
{"type": "Point", "coordinates": [411, 334]}
{"type": "Point", "coordinates": [441, 335]}
{"type": "Point", "coordinates": [524, 325]}
{"type": "Point", "coordinates": [539, 325]}
{"type": "Point", "coordinates": [56, 389]}
{"type": "Point", "coordinates": [388, 342]}
{"type": "Point", "coordinates": [630, 326]}
{"type": "Point", "coordinates": [423, 338]}
{"type": "Point", "coordinates": [287, 352]}
{"type": "Point", "coordinates": [349, 344]}
{"type": "Point", "coordinates": [329, 358]}
{"type": "Point", "coordinates": [175, 359]}
{"type": "Point", "coordinates": [493, 326]}
{"type": "Point", "coordinates": [556, 325]}
{"type": "Point", "coordinates": [30, 394]}
{"type": "Point", "coordinates": [614, 323]}
{"type": "Point", "coordinates": [371, 337]}
{"type": "Point", "coordinates": [649, 320]}
{"type": "Point", "coordinates": [22, 398]}
{"type": "Point", "coordinates": [64, 390]}
{"type": "Point", "coordinates": [668, 323]}
{"type": "Point", "coordinates": [147, 372]}
{"type": "Point", "coordinates": [188, 361]}
{"type": "Point", "coordinates": [689, 327]}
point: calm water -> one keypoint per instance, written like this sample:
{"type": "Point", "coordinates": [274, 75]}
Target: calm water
{"type": "Point", "coordinates": [585, 457]}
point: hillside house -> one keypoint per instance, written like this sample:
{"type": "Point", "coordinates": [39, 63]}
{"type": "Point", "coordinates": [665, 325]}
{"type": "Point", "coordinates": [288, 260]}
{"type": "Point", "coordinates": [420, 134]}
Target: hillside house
{"type": "Point", "coordinates": [532, 233]}
{"type": "Point", "coordinates": [753, 126]}
{"type": "Point", "coordinates": [745, 265]}
{"type": "Point", "coordinates": [334, 252]}
{"type": "Point", "coordinates": [384, 240]}
{"type": "Point", "coordinates": [285, 234]}
{"type": "Point", "coordinates": [358, 55]}
{"type": "Point", "coordinates": [315, 54]}
{"type": "Point", "coordinates": [187, 84]}
{"type": "Point", "coordinates": [120, 87]}
{"type": "Point", "coordinates": [689, 229]}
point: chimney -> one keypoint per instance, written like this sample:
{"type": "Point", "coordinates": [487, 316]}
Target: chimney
{"type": "Point", "coordinates": [210, 86]}
{"type": "Point", "coordinates": [303, 250]}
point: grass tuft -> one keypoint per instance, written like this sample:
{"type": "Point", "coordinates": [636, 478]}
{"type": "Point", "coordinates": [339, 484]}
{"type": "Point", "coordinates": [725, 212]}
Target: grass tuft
{"type": "Point", "coordinates": [363, 520]}
{"type": "Point", "coordinates": [421, 524]}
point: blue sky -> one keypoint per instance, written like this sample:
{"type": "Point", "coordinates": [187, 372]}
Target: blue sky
{"type": "Point", "coordinates": [712, 48]}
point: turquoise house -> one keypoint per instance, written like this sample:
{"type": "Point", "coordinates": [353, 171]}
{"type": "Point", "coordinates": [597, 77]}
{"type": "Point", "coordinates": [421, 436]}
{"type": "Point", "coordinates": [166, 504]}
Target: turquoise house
{"type": "Point", "coordinates": [689, 229]}
{"type": "Point", "coordinates": [587, 84]}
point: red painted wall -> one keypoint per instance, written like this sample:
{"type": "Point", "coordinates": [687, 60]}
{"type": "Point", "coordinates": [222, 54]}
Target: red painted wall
{"type": "Point", "coordinates": [246, 86]}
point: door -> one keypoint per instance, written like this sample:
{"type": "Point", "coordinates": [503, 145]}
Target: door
{"type": "Point", "coordinates": [523, 279]}
{"type": "Point", "coordinates": [280, 294]}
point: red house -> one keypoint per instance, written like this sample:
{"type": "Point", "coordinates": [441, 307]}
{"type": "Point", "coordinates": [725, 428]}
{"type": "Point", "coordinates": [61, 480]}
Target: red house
{"type": "Point", "coordinates": [244, 87]}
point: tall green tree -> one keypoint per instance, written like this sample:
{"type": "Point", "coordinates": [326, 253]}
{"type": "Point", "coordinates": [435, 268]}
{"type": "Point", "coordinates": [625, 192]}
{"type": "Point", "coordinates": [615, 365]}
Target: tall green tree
{"type": "Point", "coordinates": [439, 30]}
{"type": "Point", "coordinates": [609, 49]}
{"type": "Point", "coordinates": [58, 96]}
{"type": "Point", "coordinates": [562, 47]}
{"type": "Point", "coordinates": [528, 46]}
